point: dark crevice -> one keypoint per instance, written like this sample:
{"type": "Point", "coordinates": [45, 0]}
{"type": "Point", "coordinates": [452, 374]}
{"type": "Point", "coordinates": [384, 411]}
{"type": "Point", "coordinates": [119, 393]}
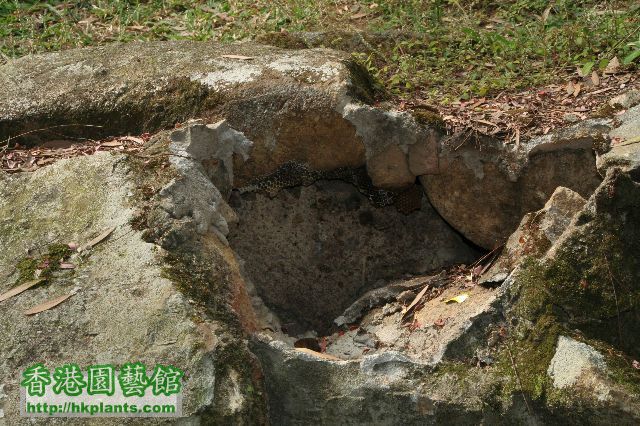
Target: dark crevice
{"type": "Point", "coordinates": [312, 249]}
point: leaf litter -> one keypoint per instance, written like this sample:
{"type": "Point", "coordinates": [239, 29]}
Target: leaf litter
{"type": "Point", "coordinates": [62, 265]}
{"type": "Point", "coordinates": [513, 117]}
{"type": "Point", "coordinates": [18, 158]}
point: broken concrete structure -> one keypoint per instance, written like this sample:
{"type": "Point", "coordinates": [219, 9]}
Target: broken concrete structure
{"type": "Point", "coordinates": [301, 252]}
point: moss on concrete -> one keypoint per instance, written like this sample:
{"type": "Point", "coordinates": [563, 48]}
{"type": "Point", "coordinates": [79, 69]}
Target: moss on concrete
{"type": "Point", "coordinates": [429, 118]}
{"type": "Point", "coordinates": [364, 86]}
{"type": "Point", "coordinates": [47, 263]}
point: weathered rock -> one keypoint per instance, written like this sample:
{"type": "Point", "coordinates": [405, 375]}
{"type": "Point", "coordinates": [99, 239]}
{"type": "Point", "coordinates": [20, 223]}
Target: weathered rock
{"type": "Point", "coordinates": [628, 126]}
{"type": "Point", "coordinates": [572, 360]}
{"type": "Point", "coordinates": [383, 389]}
{"type": "Point", "coordinates": [626, 100]}
{"type": "Point", "coordinates": [124, 307]}
{"type": "Point", "coordinates": [388, 136]}
{"type": "Point", "coordinates": [584, 286]}
{"type": "Point", "coordinates": [536, 233]}
{"type": "Point", "coordinates": [295, 106]}
{"type": "Point", "coordinates": [484, 188]}
{"type": "Point", "coordinates": [581, 369]}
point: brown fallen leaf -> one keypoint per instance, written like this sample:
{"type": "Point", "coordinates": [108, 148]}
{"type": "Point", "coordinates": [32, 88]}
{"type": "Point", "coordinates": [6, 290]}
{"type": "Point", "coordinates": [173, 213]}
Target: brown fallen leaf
{"type": "Point", "coordinates": [576, 90]}
{"type": "Point", "coordinates": [413, 304]}
{"type": "Point", "coordinates": [241, 57]}
{"type": "Point", "coordinates": [318, 354]}
{"type": "Point", "coordinates": [19, 289]}
{"type": "Point", "coordinates": [595, 79]}
{"type": "Point", "coordinates": [98, 239]}
{"type": "Point", "coordinates": [569, 88]}
{"type": "Point", "coordinates": [613, 66]}
{"type": "Point", "coordinates": [440, 322]}
{"type": "Point", "coordinates": [67, 266]}
{"type": "Point", "coordinates": [358, 16]}
{"type": "Point", "coordinates": [485, 122]}
{"type": "Point", "coordinates": [48, 304]}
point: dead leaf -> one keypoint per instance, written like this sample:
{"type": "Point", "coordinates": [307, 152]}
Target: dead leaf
{"type": "Point", "coordinates": [415, 302]}
{"type": "Point", "coordinates": [576, 89]}
{"type": "Point", "coordinates": [485, 122]}
{"type": "Point", "coordinates": [439, 322]}
{"type": "Point", "coordinates": [414, 325]}
{"type": "Point", "coordinates": [48, 304]}
{"type": "Point", "coordinates": [569, 88]}
{"type": "Point", "coordinates": [323, 344]}
{"type": "Point", "coordinates": [545, 14]}
{"type": "Point", "coordinates": [225, 17]}
{"type": "Point", "coordinates": [613, 66]}
{"type": "Point", "coordinates": [595, 78]}
{"type": "Point", "coordinates": [477, 271]}
{"type": "Point", "coordinates": [111, 144]}
{"type": "Point", "coordinates": [67, 266]}
{"type": "Point", "coordinates": [45, 161]}
{"type": "Point", "coordinates": [242, 58]}
{"type": "Point", "coordinates": [72, 246]}
{"type": "Point", "coordinates": [318, 354]}
{"type": "Point", "coordinates": [98, 239]}
{"type": "Point", "coordinates": [19, 289]}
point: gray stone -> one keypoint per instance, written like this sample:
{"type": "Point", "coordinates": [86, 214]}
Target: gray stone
{"type": "Point", "coordinates": [572, 360]}
{"type": "Point", "coordinates": [215, 147]}
{"type": "Point", "coordinates": [537, 232]}
{"type": "Point", "coordinates": [628, 128]}
{"type": "Point", "coordinates": [626, 100]}
{"type": "Point", "coordinates": [388, 137]}
{"type": "Point", "coordinates": [302, 106]}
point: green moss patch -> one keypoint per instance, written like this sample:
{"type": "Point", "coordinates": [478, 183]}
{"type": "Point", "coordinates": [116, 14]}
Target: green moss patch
{"type": "Point", "coordinates": [47, 263]}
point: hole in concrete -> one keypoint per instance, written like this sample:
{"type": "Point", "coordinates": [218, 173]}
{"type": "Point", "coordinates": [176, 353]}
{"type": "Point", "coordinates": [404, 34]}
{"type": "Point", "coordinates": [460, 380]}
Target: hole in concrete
{"type": "Point", "coordinates": [311, 250]}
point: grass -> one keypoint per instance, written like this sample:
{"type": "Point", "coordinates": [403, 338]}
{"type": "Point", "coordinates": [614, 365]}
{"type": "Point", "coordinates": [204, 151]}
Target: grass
{"type": "Point", "coordinates": [439, 51]}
